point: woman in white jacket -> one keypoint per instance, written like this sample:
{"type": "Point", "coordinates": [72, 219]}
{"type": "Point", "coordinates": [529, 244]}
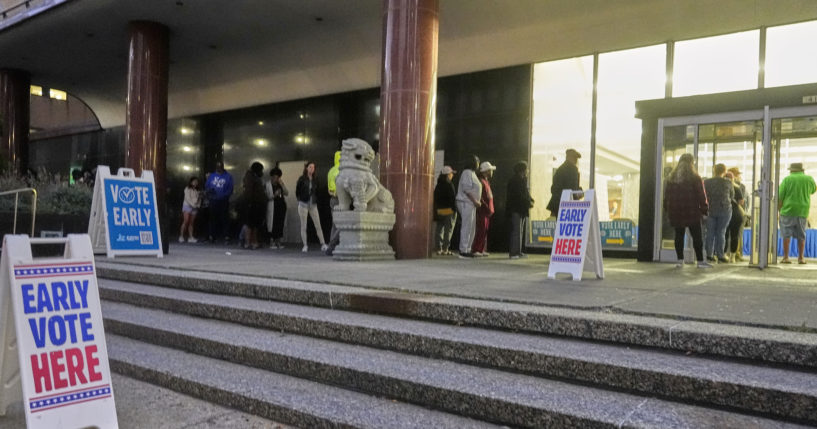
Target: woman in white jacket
{"type": "Point", "coordinates": [469, 192]}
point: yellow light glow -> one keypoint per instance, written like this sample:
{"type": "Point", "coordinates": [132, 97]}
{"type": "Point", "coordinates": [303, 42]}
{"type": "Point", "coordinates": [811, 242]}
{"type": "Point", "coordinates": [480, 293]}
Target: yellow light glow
{"type": "Point", "coordinates": [36, 90]}
{"type": "Point", "coordinates": [185, 131]}
{"type": "Point", "coordinates": [187, 148]}
{"type": "Point", "coordinates": [260, 142]}
{"type": "Point", "coordinates": [186, 167]}
{"type": "Point", "coordinates": [57, 94]}
{"type": "Point", "coordinates": [260, 122]}
{"type": "Point", "coordinates": [299, 139]}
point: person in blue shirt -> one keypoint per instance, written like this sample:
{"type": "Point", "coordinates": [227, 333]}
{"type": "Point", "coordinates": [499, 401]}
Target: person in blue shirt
{"type": "Point", "coordinates": [218, 189]}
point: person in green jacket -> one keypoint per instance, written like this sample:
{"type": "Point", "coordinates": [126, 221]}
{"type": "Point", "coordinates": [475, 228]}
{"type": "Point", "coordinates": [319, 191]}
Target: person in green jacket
{"type": "Point", "coordinates": [794, 200]}
{"type": "Point", "coordinates": [334, 236]}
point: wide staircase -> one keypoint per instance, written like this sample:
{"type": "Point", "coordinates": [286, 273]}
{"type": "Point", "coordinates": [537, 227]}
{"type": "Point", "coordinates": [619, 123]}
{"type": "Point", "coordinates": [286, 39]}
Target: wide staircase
{"type": "Point", "coordinates": [323, 355]}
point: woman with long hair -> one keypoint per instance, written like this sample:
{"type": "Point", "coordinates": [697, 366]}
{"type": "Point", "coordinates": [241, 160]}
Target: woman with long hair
{"type": "Point", "coordinates": [306, 192]}
{"type": "Point", "coordinates": [255, 204]}
{"type": "Point", "coordinates": [685, 204]}
{"type": "Point", "coordinates": [190, 208]}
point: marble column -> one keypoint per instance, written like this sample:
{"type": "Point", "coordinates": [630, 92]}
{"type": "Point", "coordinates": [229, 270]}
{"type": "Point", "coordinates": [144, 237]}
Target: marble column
{"type": "Point", "coordinates": [146, 108]}
{"type": "Point", "coordinates": [14, 118]}
{"type": "Point", "coordinates": [407, 107]}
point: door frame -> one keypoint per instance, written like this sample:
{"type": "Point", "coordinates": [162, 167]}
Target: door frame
{"type": "Point", "coordinates": [767, 186]}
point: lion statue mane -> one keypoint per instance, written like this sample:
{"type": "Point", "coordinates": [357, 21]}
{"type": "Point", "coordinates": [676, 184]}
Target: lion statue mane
{"type": "Point", "coordinates": [356, 184]}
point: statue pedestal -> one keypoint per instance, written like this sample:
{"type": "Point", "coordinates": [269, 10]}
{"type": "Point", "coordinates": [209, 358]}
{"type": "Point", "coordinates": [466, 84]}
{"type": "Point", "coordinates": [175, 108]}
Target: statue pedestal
{"type": "Point", "coordinates": [364, 236]}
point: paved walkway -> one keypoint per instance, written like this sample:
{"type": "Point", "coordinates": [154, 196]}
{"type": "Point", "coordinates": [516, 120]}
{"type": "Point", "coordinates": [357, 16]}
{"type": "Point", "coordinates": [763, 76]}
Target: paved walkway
{"type": "Point", "coordinates": [779, 297]}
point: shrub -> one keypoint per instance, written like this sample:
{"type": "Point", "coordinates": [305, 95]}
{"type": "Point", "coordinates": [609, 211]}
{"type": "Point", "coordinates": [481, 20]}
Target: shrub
{"type": "Point", "coordinates": [52, 197]}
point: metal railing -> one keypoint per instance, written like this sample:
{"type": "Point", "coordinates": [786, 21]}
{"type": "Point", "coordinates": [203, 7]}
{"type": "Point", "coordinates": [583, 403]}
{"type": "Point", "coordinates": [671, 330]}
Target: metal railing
{"type": "Point", "coordinates": [16, 193]}
{"type": "Point", "coordinates": [25, 9]}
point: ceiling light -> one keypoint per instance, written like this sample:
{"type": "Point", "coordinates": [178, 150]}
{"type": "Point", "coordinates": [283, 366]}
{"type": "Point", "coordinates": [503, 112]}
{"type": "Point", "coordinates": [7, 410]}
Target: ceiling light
{"type": "Point", "coordinates": [260, 122]}
{"type": "Point", "coordinates": [299, 138]}
{"type": "Point", "coordinates": [36, 90]}
{"type": "Point", "coordinates": [57, 94]}
{"type": "Point", "coordinates": [260, 142]}
{"type": "Point", "coordinates": [185, 131]}
{"type": "Point", "coordinates": [187, 148]}
{"type": "Point", "coordinates": [186, 167]}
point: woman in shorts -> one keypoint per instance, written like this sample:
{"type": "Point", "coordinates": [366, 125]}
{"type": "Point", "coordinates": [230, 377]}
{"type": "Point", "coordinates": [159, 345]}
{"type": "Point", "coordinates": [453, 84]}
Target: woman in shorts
{"type": "Point", "coordinates": [190, 208]}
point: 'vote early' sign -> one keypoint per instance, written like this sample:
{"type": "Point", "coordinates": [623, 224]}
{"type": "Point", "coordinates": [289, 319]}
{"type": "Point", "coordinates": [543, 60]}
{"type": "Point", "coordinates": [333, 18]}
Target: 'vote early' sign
{"type": "Point", "coordinates": [128, 205]}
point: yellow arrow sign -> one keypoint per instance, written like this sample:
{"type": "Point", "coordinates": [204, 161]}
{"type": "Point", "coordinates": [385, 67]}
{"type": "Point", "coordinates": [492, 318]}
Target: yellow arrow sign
{"type": "Point", "coordinates": [615, 241]}
{"type": "Point", "coordinates": [548, 239]}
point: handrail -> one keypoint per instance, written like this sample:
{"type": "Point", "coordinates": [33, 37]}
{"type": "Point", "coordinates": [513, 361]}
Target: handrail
{"type": "Point", "coordinates": [16, 193]}
{"type": "Point", "coordinates": [5, 13]}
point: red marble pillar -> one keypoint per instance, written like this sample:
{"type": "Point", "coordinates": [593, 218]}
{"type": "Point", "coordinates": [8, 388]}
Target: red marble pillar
{"type": "Point", "coordinates": [407, 107]}
{"type": "Point", "coordinates": [146, 115]}
{"type": "Point", "coordinates": [14, 118]}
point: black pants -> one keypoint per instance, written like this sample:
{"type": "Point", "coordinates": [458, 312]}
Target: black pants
{"type": "Point", "coordinates": [732, 232]}
{"type": "Point", "coordinates": [697, 241]}
{"type": "Point", "coordinates": [219, 219]}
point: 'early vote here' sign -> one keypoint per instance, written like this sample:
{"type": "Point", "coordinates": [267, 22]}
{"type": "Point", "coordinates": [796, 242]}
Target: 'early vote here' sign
{"type": "Point", "coordinates": [576, 241]}
{"type": "Point", "coordinates": [62, 353]}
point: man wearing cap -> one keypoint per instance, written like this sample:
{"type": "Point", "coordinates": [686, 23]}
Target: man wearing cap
{"type": "Point", "coordinates": [566, 177]}
{"type": "Point", "coordinates": [484, 211]}
{"type": "Point", "coordinates": [794, 200]}
{"type": "Point", "coordinates": [445, 209]}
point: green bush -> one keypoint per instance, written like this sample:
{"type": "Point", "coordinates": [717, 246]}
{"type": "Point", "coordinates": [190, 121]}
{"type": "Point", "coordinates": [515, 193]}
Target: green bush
{"type": "Point", "coordinates": [52, 197]}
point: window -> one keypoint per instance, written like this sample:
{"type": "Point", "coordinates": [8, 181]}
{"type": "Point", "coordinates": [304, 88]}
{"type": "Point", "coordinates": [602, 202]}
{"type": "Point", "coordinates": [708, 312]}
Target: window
{"type": "Point", "coordinates": [789, 58]}
{"type": "Point", "coordinates": [624, 77]}
{"type": "Point", "coordinates": [716, 64]}
{"type": "Point", "coordinates": [562, 108]}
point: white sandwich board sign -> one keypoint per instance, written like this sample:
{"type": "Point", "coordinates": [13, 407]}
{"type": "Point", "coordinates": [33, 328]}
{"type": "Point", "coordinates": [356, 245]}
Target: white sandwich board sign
{"type": "Point", "coordinates": [54, 355]}
{"type": "Point", "coordinates": [577, 238]}
{"type": "Point", "coordinates": [124, 219]}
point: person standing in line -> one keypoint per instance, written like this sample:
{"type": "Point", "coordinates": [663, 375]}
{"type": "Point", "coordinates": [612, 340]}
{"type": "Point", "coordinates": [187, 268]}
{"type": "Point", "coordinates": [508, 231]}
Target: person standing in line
{"type": "Point", "coordinates": [255, 204]}
{"type": "Point", "coordinates": [720, 192]}
{"type": "Point", "coordinates": [306, 191]}
{"type": "Point", "coordinates": [738, 180]}
{"type": "Point", "coordinates": [793, 203]}
{"type": "Point", "coordinates": [469, 192]}
{"type": "Point", "coordinates": [276, 207]}
{"type": "Point", "coordinates": [485, 210]}
{"type": "Point", "coordinates": [735, 227]}
{"type": "Point", "coordinates": [190, 208]}
{"type": "Point", "coordinates": [445, 209]}
{"type": "Point", "coordinates": [218, 189]}
{"type": "Point", "coordinates": [331, 177]}
{"type": "Point", "coordinates": [685, 204]}
{"type": "Point", "coordinates": [565, 177]}
{"type": "Point", "coordinates": [518, 203]}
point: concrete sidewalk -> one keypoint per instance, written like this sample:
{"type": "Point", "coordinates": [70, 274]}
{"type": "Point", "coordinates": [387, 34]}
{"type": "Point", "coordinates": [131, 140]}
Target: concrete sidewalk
{"type": "Point", "coordinates": [776, 298]}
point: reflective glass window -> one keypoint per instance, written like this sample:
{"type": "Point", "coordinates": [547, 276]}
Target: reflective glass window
{"type": "Point", "coordinates": [562, 105]}
{"type": "Point", "coordinates": [716, 64]}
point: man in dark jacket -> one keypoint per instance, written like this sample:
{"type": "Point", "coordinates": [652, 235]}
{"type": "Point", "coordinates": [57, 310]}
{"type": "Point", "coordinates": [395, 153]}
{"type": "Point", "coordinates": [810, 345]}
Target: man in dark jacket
{"type": "Point", "coordinates": [566, 177]}
{"type": "Point", "coordinates": [445, 211]}
{"type": "Point", "coordinates": [517, 205]}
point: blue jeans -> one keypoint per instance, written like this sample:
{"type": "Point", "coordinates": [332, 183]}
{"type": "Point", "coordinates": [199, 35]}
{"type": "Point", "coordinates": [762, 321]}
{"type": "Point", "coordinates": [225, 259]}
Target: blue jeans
{"type": "Point", "coordinates": [716, 233]}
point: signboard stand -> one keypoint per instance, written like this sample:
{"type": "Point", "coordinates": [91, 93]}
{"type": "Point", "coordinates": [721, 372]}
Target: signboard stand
{"type": "Point", "coordinates": [577, 241]}
{"type": "Point", "coordinates": [51, 306]}
{"type": "Point", "coordinates": [124, 217]}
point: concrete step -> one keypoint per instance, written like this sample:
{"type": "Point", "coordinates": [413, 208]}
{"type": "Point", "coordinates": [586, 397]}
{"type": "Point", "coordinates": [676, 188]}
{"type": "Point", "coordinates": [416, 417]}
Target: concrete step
{"type": "Point", "coordinates": [719, 339]}
{"type": "Point", "coordinates": [789, 394]}
{"type": "Point", "coordinates": [480, 393]}
{"type": "Point", "coordinates": [274, 396]}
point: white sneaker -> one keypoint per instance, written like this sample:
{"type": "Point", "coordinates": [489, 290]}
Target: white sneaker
{"type": "Point", "coordinates": [478, 254]}
{"type": "Point", "coordinates": [192, 240]}
{"type": "Point", "coordinates": [486, 254]}
{"type": "Point", "coordinates": [324, 247]}
{"type": "Point", "coordinates": [181, 239]}
{"type": "Point", "coordinates": [704, 264]}
{"type": "Point", "coordinates": [305, 248]}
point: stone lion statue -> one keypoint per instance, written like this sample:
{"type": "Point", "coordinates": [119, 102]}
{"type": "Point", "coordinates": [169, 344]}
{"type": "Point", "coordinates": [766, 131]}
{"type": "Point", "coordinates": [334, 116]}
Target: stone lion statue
{"type": "Point", "coordinates": [356, 184]}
